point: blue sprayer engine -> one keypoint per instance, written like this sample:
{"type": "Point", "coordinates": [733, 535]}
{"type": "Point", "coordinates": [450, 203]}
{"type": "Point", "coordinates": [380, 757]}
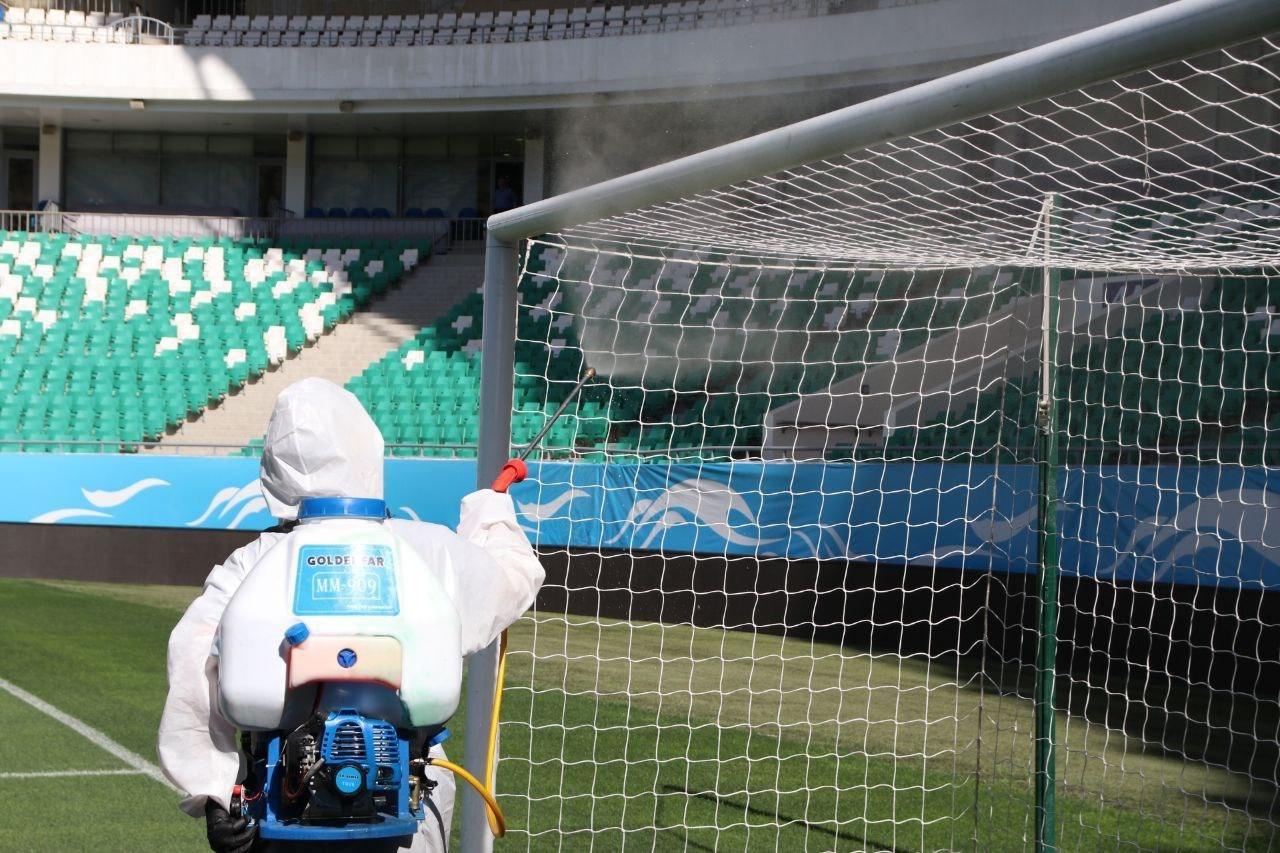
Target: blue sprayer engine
{"type": "Point", "coordinates": [340, 662]}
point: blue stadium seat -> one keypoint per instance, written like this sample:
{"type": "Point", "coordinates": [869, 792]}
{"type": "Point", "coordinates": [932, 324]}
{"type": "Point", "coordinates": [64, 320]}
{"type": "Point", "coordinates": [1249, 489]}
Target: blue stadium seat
{"type": "Point", "coordinates": [468, 213]}
{"type": "Point", "coordinates": [315, 213]}
{"type": "Point", "coordinates": [337, 213]}
{"type": "Point", "coordinates": [435, 213]}
{"type": "Point", "coordinates": [381, 213]}
{"type": "Point", "coordinates": [359, 213]}
{"type": "Point", "coordinates": [414, 213]}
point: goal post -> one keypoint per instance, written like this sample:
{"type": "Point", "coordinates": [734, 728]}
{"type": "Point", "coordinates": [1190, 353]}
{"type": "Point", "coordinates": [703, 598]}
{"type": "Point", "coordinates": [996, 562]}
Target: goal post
{"type": "Point", "coordinates": [866, 381]}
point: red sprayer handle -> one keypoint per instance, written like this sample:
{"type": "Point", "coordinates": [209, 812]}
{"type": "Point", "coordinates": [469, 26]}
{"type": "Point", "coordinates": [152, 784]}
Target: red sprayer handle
{"type": "Point", "coordinates": [513, 472]}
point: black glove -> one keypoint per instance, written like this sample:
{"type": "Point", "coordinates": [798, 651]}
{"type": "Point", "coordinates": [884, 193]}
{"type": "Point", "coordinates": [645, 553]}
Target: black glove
{"type": "Point", "coordinates": [227, 834]}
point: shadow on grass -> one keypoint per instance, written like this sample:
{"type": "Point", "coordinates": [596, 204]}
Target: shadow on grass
{"type": "Point", "coordinates": [785, 820]}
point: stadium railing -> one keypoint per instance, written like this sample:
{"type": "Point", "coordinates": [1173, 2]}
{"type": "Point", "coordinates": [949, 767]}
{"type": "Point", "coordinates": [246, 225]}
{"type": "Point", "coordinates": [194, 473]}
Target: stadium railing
{"type": "Point", "coordinates": [443, 232]}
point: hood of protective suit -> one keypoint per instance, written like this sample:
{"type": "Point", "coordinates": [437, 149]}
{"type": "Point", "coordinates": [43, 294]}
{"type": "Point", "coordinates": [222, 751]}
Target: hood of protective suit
{"type": "Point", "coordinates": [320, 443]}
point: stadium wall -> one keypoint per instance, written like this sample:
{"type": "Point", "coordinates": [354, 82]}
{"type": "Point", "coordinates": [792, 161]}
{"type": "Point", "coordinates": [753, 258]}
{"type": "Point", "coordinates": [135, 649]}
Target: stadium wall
{"type": "Point", "coordinates": [1203, 525]}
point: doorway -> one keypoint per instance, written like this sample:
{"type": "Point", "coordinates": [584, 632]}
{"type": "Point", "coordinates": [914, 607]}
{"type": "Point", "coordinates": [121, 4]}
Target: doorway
{"type": "Point", "coordinates": [20, 182]}
{"type": "Point", "coordinates": [508, 176]}
{"type": "Point", "coordinates": [271, 189]}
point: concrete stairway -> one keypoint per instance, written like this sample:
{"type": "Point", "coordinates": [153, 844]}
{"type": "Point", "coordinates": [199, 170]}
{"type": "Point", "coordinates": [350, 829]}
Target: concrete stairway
{"type": "Point", "coordinates": [426, 294]}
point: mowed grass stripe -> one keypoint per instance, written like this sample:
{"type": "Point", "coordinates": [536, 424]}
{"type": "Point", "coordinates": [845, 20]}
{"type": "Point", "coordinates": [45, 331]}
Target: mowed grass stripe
{"type": "Point", "coordinates": [619, 734]}
{"type": "Point", "coordinates": [23, 727]}
{"type": "Point", "coordinates": [108, 813]}
{"type": "Point", "coordinates": [98, 659]}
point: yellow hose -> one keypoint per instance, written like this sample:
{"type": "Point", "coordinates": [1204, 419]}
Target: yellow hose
{"type": "Point", "coordinates": [496, 824]}
{"type": "Point", "coordinates": [496, 821]}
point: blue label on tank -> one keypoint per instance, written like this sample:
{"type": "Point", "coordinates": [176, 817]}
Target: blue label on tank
{"type": "Point", "coordinates": [343, 580]}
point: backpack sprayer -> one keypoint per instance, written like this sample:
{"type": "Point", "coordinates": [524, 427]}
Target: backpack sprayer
{"type": "Point", "coordinates": [338, 691]}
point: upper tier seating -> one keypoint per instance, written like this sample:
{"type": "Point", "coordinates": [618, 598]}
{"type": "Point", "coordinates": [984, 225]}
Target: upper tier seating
{"type": "Point", "coordinates": [449, 28]}
{"type": "Point", "coordinates": [107, 342]}
{"type": "Point", "coordinates": [20, 24]}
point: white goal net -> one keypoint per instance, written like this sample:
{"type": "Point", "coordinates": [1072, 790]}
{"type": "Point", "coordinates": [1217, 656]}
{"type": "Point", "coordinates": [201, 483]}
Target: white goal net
{"type": "Point", "coordinates": [793, 534]}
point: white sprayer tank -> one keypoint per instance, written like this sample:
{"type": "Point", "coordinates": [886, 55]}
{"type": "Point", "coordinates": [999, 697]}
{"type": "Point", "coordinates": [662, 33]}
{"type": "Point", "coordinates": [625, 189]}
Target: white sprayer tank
{"type": "Point", "coordinates": [341, 601]}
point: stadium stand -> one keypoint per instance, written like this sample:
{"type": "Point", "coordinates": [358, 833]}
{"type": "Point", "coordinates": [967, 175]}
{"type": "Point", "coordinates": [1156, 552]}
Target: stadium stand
{"type": "Point", "coordinates": [109, 342]}
{"type": "Point", "coordinates": [80, 27]}
{"type": "Point", "coordinates": [424, 395]}
{"type": "Point", "coordinates": [449, 28]}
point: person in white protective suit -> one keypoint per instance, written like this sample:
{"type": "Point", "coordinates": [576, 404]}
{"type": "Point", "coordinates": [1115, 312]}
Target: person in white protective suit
{"type": "Point", "coordinates": [322, 443]}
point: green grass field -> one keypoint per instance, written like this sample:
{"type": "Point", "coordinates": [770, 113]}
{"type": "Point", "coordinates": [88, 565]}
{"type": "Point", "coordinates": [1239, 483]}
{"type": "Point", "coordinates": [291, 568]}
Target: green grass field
{"type": "Point", "coordinates": [632, 735]}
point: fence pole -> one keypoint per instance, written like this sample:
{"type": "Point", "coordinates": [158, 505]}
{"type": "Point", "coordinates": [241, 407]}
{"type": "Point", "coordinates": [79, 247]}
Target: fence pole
{"type": "Point", "coordinates": [1047, 551]}
{"type": "Point", "coordinates": [497, 369]}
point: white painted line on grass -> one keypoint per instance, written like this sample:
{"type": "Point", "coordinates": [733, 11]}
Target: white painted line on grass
{"type": "Point", "coordinates": [55, 774]}
{"type": "Point", "coordinates": [137, 762]}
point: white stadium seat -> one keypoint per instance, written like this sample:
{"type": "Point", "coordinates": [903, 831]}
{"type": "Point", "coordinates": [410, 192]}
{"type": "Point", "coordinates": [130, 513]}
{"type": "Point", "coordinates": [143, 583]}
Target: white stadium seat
{"type": "Point", "coordinates": [315, 24]}
{"type": "Point", "coordinates": [222, 23]}
{"type": "Point", "coordinates": [404, 38]}
{"type": "Point", "coordinates": [386, 38]}
{"type": "Point", "coordinates": [392, 22]}
{"type": "Point", "coordinates": [240, 23]}
{"type": "Point", "coordinates": [273, 38]}
{"type": "Point", "coordinates": [355, 22]}
{"type": "Point", "coordinates": [75, 19]}
{"type": "Point", "coordinates": [253, 38]}
{"type": "Point", "coordinates": [412, 22]}
{"type": "Point", "coordinates": [16, 15]}
{"type": "Point", "coordinates": [94, 19]}
{"type": "Point", "coordinates": [298, 23]}
{"type": "Point", "coordinates": [55, 17]}
{"type": "Point", "coordinates": [279, 23]}
{"type": "Point", "coordinates": [373, 23]}
{"type": "Point", "coordinates": [291, 38]}
{"type": "Point", "coordinates": [336, 24]}
{"type": "Point", "coordinates": [261, 23]}
{"type": "Point", "coordinates": [35, 16]}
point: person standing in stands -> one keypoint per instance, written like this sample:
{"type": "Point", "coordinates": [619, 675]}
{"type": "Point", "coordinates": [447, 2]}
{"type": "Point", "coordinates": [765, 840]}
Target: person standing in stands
{"type": "Point", "coordinates": [504, 197]}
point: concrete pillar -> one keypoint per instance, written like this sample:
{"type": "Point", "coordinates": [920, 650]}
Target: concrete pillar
{"type": "Point", "coordinates": [296, 164]}
{"type": "Point", "coordinates": [49, 170]}
{"type": "Point", "coordinates": [533, 166]}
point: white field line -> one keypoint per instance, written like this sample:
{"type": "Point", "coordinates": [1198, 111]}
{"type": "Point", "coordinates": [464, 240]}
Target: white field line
{"type": "Point", "coordinates": [55, 774]}
{"type": "Point", "coordinates": [135, 761]}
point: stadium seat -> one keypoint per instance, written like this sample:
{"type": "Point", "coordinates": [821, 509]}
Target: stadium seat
{"type": "Point", "coordinates": [434, 213]}
{"type": "Point", "coordinates": [116, 339]}
{"type": "Point", "coordinates": [359, 213]}
{"type": "Point", "coordinates": [337, 213]}
{"type": "Point", "coordinates": [380, 213]}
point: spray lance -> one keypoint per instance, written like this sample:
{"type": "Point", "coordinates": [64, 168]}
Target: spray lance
{"type": "Point", "coordinates": [514, 471]}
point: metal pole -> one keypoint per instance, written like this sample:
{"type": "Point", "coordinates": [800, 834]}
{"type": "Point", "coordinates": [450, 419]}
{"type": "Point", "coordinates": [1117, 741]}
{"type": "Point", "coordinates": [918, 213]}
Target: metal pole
{"type": "Point", "coordinates": [1160, 35]}
{"type": "Point", "coordinates": [497, 368]}
{"type": "Point", "coordinates": [1047, 553]}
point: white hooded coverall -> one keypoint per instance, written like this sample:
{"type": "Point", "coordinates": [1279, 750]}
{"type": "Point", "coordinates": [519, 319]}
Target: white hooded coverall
{"type": "Point", "coordinates": [322, 443]}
